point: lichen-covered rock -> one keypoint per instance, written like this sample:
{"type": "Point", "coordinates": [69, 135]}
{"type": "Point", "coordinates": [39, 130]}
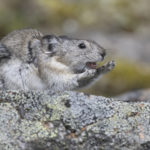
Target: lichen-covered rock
{"type": "Point", "coordinates": [71, 121]}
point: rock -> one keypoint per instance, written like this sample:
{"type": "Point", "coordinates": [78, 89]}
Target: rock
{"type": "Point", "coordinates": [71, 121]}
{"type": "Point", "coordinates": [135, 96]}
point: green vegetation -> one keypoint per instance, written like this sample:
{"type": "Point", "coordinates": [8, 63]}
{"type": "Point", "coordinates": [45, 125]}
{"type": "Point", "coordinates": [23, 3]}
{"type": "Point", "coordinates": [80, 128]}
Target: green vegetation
{"type": "Point", "coordinates": [52, 14]}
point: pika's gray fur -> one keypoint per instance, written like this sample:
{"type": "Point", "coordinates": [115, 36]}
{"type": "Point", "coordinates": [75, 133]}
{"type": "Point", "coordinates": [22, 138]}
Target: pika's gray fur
{"type": "Point", "coordinates": [31, 61]}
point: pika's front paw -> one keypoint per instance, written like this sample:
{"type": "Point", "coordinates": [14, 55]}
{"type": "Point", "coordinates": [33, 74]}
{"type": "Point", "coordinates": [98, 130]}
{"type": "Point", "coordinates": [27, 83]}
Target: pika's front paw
{"type": "Point", "coordinates": [87, 74]}
{"type": "Point", "coordinates": [106, 68]}
{"type": "Point", "coordinates": [110, 65]}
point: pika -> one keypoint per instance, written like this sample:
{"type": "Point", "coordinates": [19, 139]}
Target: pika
{"type": "Point", "coordinates": [30, 60]}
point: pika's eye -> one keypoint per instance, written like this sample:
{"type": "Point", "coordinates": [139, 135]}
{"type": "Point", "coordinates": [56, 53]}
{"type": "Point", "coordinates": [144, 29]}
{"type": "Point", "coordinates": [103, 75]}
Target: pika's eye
{"type": "Point", "coordinates": [82, 45]}
{"type": "Point", "coordinates": [50, 47]}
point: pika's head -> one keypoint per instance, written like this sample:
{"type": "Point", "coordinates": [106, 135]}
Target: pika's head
{"type": "Point", "coordinates": [77, 54]}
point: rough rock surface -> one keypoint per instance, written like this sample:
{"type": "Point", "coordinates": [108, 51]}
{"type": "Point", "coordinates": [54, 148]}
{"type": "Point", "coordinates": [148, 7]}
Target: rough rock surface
{"type": "Point", "coordinates": [71, 121]}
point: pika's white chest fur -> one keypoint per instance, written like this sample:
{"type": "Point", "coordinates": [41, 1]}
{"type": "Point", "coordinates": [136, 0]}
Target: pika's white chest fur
{"type": "Point", "coordinates": [22, 76]}
{"type": "Point", "coordinates": [53, 63]}
{"type": "Point", "coordinates": [56, 75]}
{"type": "Point", "coordinates": [18, 76]}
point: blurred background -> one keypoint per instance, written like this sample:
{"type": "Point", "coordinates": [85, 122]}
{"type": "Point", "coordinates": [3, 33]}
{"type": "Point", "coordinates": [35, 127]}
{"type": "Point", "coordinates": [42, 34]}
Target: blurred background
{"type": "Point", "coordinates": [120, 26]}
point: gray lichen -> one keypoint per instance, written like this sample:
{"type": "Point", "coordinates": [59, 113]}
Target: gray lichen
{"type": "Point", "coordinates": [70, 120]}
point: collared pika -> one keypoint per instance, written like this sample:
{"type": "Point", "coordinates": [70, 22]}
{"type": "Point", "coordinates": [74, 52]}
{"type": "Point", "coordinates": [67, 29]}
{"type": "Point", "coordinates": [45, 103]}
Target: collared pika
{"type": "Point", "coordinates": [30, 60]}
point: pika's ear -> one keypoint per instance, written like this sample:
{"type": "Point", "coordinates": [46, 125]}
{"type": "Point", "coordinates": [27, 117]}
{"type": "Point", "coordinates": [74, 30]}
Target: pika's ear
{"type": "Point", "coordinates": [50, 39]}
{"type": "Point", "coordinates": [48, 43]}
{"type": "Point", "coordinates": [34, 43]}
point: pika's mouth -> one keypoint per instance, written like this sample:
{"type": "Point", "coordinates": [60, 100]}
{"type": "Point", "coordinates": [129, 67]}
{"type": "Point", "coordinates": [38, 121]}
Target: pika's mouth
{"type": "Point", "coordinates": [87, 66]}
{"type": "Point", "coordinates": [91, 65]}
